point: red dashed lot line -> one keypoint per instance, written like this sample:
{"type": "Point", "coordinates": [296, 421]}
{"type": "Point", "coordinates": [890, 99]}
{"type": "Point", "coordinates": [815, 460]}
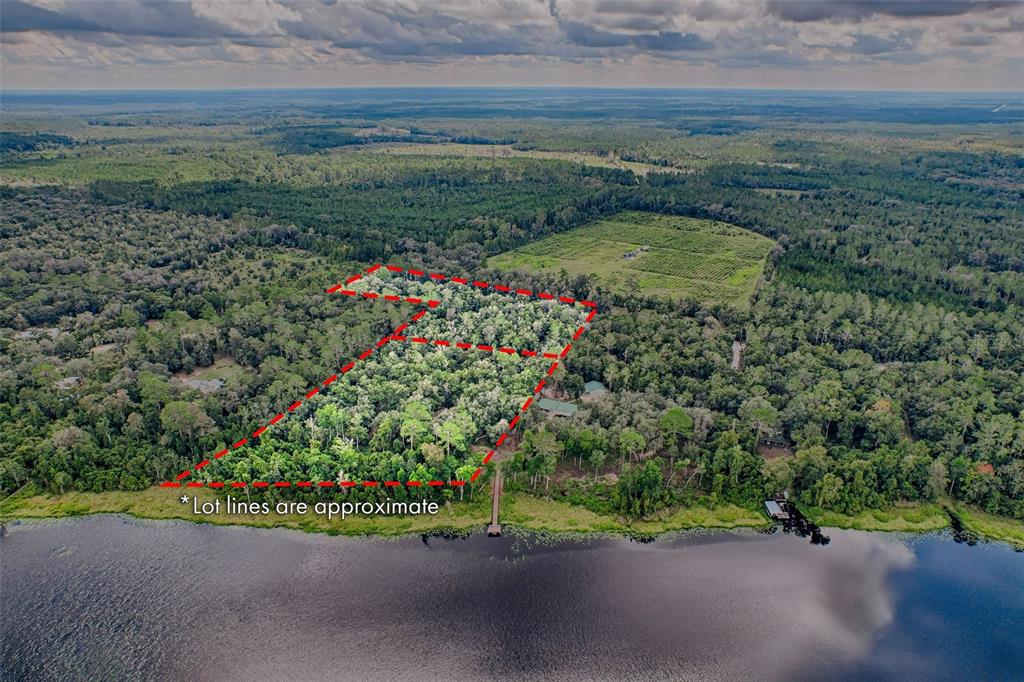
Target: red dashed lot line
{"type": "Point", "coordinates": [277, 418]}
{"type": "Point", "coordinates": [395, 336]}
{"type": "Point", "coordinates": [471, 346]}
{"type": "Point", "coordinates": [543, 295]}
{"type": "Point", "coordinates": [372, 295]}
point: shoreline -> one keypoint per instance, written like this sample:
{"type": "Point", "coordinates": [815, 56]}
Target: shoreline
{"type": "Point", "coordinates": [519, 512]}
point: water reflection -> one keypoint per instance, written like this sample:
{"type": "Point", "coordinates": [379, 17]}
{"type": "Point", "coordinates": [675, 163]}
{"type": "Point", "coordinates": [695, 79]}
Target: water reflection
{"type": "Point", "coordinates": [117, 598]}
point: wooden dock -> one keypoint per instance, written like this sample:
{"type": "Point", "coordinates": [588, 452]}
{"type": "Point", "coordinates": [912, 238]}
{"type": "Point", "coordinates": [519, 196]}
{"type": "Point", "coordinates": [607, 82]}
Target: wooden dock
{"type": "Point", "coordinates": [494, 529]}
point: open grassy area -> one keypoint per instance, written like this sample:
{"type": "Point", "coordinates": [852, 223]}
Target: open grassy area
{"type": "Point", "coordinates": [727, 516]}
{"type": "Point", "coordinates": [519, 510]}
{"type": "Point", "coordinates": [525, 511]}
{"type": "Point", "coordinates": [922, 517]}
{"type": "Point", "coordinates": [776, 193]}
{"type": "Point", "coordinates": [909, 518]}
{"type": "Point", "coordinates": [638, 252]}
{"type": "Point", "coordinates": [127, 167]}
{"type": "Point", "coordinates": [502, 151]}
{"type": "Point", "coordinates": [990, 526]}
{"type": "Point", "coordinates": [175, 162]}
{"type": "Point", "coordinates": [532, 513]}
{"type": "Point", "coordinates": [224, 369]}
{"type": "Point", "coordinates": [160, 503]}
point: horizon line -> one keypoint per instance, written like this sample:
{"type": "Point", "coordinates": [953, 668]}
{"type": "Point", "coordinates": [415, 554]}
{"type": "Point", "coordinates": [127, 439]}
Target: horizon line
{"type": "Point", "coordinates": [664, 88]}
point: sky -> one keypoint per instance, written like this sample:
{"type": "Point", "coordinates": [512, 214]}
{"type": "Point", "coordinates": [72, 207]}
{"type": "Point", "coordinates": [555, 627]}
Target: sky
{"type": "Point", "coordinates": [813, 44]}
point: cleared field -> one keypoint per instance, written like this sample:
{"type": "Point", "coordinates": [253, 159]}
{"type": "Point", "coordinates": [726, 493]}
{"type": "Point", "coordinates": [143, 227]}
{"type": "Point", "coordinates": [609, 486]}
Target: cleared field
{"type": "Point", "coordinates": [776, 193]}
{"type": "Point", "coordinates": [650, 253]}
{"type": "Point", "coordinates": [507, 151]}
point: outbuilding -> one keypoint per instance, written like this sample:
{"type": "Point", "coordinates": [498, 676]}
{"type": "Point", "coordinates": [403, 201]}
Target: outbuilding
{"type": "Point", "coordinates": [592, 390]}
{"type": "Point", "coordinates": [775, 511]}
{"type": "Point", "coordinates": [557, 408]}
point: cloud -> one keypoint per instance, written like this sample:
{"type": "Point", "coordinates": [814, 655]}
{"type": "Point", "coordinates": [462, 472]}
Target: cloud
{"type": "Point", "coordinates": [18, 17]}
{"type": "Point", "coordinates": [671, 41]}
{"type": "Point", "coordinates": [857, 10]}
{"type": "Point", "coordinates": [170, 20]}
{"type": "Point", "coordinates": [871, 44]}
{"type": "Point", "coordinates": [640, 26]}
{"type": "Point", "coordinates": [471, 35]}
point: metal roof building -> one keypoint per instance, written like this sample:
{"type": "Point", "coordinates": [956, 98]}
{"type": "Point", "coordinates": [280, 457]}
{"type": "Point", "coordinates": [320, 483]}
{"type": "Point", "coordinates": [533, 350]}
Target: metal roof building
{"type": "Point", "coordinates": [557, 407]}
{"type": "Point", "coordinates": [774, 510]}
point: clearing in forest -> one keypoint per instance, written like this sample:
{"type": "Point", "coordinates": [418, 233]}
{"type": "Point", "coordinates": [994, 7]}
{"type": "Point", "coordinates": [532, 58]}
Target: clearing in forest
{"type": "Point", "coordinates": [425, 406]}
{"type": "Point", "coordinates": [507, 151]}
{"type": "Point", "coordinates": [655, 254]}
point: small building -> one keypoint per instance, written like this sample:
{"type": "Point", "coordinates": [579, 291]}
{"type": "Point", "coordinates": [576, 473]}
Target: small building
{"type": "Point", "coordinates": [204, 386]}
{"type": "Point", "coordinates": [592, 390]}
{"type": "Point", "coordinates": [775, 510]}
{"type": "Point", "coordinates": [557, 408]}
{"type": "Point", "coordinates": [67, 383]}
{"type": "Point", "coordinates": [635, 253]}
{"type": "Point", "coordinates": [37, 332]}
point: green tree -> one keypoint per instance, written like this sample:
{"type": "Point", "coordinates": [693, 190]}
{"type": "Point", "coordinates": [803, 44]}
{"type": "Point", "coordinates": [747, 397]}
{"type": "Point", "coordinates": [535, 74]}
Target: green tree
{"type": "Point", "coordinates": [415, 422]}
{"type": "Point", "coordinates": [938, 479]}
{"type": "Point", "coordinates": [778, 475]}
{"type": "Point", "coordinates": [596, 458]}
{"type": "Point", "coordinates": [759, 416]}
{"type": "Point", "coordinates": [187, 421]}
{"type": "Point", "coordinates": [641, 489]}
{"type": "Point", "coordinates": [541, 449]}
{"type": "Point", "coordinates": [631, 444]}
{"type": "Point", "coordinates": [827, 491]}
{"type": "Point", "coordinates": [450, 436]}
{"type": "Point", "coordinates": [675, 423]}
{"type": "Point", "coordinates": [464, 474]}
{"type": "Point", "coordinates": [432, 454]}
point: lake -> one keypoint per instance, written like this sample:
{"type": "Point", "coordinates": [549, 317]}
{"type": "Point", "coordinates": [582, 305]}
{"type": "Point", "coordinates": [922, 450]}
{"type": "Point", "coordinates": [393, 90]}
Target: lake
{"type": "Point", "coordinates": [110, 597]}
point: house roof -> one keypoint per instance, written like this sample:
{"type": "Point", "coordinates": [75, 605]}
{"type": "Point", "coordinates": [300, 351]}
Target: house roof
{"type": "Point", "coordinates": [594, 387]}
{"type": "Point", "coordinates": [774, 510]}
{"type": "Point", "coordinates": [557, 407]}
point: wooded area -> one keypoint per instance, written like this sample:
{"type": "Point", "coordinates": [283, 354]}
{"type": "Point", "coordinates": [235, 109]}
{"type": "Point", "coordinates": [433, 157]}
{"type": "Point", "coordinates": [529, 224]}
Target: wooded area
{"type": "Point", "coordinates": [163, 291]}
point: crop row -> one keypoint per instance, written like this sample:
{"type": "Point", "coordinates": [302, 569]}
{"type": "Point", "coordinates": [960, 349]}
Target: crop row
{"type": "Point", "coordinates": [743, 245]}
{"type": "Point", "coordinates": [692, 265]}
{"type": "Point", "coordinates": [561, 246]}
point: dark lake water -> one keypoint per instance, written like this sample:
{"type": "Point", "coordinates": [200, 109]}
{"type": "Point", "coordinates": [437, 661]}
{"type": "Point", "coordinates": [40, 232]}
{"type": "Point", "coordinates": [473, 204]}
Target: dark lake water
{"type": "Point", "coordinates": [108, 597]}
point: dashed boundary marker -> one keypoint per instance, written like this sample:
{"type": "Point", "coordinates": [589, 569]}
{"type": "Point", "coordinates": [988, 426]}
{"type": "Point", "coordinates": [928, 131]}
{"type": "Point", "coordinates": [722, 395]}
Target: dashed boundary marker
{"type": "Point", "coordinates": [397, 335]}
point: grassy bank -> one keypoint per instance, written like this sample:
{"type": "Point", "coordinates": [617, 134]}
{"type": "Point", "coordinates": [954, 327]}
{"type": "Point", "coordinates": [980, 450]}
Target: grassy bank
{"type": "Point", "coordinates": [518, 510]}
{"type": "Point", "coordinates": [903, 518]}
{"type": "Point", "coordinates": [158, 503]}
{"type": "Point", "coordinates": [919, 518]}
{"type": "Point", "coordinates": [990, 526]}
{"type": "Point", "coordinates": [538, 514]}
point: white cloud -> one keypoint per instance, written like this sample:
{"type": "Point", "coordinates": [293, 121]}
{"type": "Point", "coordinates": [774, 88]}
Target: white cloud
{"type": "Point", "coordinates": [254, 17]}
{"type": "Point", "coordinates": [691, 42]}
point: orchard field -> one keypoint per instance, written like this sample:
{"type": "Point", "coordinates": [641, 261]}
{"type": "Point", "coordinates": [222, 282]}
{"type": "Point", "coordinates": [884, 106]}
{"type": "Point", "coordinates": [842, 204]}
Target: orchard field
{"type": "Point", "coordinates": [637, 252]}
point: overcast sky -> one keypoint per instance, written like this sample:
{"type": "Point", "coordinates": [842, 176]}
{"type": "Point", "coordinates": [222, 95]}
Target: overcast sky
{"type": "Point", "coordinates": [855, 44]}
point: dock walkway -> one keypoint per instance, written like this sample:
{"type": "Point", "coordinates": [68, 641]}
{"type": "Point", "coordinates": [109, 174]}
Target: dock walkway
{"type": "Point", "coordinates": [494, 530]}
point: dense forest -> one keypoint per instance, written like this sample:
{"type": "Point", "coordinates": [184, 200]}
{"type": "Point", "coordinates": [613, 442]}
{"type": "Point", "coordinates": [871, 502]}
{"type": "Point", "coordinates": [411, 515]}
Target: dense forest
{"type": "Point", "coordinates": [412, 411]}
{"type": "Point", "coordinates": [163, 291]}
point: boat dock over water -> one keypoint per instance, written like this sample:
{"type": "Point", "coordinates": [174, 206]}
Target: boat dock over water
{"type": "Point", "coordinates": [776, 511]}
{"type": "Point", "coordinates": [785, 513]}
